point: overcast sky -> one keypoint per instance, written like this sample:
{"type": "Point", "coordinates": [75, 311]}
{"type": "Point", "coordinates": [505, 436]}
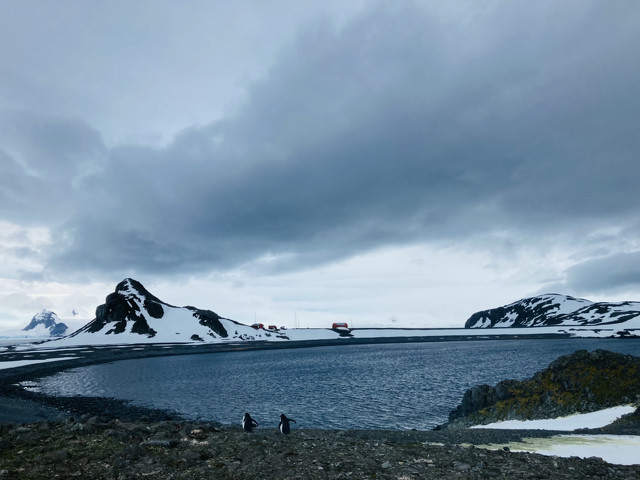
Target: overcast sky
{"type": "Point", "coordinates": [381, 163]}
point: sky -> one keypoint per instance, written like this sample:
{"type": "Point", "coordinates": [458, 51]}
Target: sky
{"type": "Point", "coordinates": [401, 163]}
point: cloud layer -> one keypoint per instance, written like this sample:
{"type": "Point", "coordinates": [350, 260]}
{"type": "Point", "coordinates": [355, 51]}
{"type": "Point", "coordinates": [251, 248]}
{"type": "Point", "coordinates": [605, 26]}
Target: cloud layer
{"type": "Point", "coordinates": [511, 123]}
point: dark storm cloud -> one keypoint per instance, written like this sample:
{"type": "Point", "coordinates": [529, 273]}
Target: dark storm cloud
{"type": "Point", "coordinates": [607, 274]}
{"type": "Point", "coordinates": [397, 127]}
{"type": "Point", "coordinates": [44, 159]}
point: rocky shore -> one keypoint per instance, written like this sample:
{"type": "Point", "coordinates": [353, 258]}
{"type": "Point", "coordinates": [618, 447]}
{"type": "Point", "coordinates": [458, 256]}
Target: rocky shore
{"type": "Point", "coordinates": [102, 448]}
{"type": "Point", "coordinates": [83, 437]}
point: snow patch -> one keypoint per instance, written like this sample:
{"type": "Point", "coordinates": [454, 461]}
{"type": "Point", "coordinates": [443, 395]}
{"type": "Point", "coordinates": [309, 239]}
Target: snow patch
{"type": "Point", "coordinates": [619, 449]}
{"type": "Point", "coordinates": [21, 363]}
{"type": "Point", "coordinates": [597, 419]}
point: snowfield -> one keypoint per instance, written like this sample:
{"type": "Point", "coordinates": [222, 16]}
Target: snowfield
{"type": "Point", "coordinates": [177, 326]}
{"type": "Point", "coordinates": [597, 419]}
{"type": "Point", "coordinates": [620, 449]}
{"type": "Point", "coordinates": [21, 363]}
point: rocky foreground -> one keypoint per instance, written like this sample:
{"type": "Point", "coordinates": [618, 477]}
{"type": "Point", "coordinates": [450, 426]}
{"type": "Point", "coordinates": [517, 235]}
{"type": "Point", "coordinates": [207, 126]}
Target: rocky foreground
{"type": "Point", "coordinates": [95, 447]}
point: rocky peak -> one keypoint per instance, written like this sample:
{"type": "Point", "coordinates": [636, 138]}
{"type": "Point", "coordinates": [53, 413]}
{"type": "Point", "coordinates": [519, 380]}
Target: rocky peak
{"type": "Point", "coordinates": [46, 320]}
{"type": "Point", "coordinates": [130, 288]}
{"type": "Point", "coordinates": [131, 308]}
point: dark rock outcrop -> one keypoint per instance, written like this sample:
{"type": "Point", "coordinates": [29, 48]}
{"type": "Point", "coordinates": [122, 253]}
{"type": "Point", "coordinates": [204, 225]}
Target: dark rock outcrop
{"type": "Point", "coordinates": [124, 306]}
{"type": "Point", "coordinates": [209, 319]}
{"type": "Point", "coordinates": [577, 383]}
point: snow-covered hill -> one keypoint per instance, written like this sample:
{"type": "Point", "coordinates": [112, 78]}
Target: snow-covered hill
{"type": "Point", "coordinates": [133, 315]}
{"type": "Point", "coordinates": [45, 324]}
{"type": "Point", "coordinates": [556, 310]}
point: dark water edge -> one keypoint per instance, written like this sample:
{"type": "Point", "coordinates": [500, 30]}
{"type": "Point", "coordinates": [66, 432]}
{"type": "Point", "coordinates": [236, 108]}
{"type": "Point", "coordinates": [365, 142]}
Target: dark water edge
{"type": "Point", "coordinates": [326, 400]}
{"type": "Point", "coordinates": [100, 354]}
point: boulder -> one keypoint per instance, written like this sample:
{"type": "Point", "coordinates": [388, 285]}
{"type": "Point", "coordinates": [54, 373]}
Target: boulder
{"type": "Point", "coordinates": [581, 382]}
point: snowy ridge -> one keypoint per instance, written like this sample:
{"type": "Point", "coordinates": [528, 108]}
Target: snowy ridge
{"type": "Point", "coordinates": [557, 310]}
{"type": "Point", "coordinates": [133, 315]}
{"type": "Point", "coordinates": [45, 324]}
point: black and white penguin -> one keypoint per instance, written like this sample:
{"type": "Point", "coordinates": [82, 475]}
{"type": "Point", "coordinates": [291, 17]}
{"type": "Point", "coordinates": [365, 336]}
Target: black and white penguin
{"type": "Point", "coordinates": [284, 426]}
{"type": "Point", "coordinates": [248, 423]}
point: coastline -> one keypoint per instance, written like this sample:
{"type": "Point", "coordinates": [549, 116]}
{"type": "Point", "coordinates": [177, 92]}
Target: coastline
{"type": "Point", "coordinates": [105, 353]}
{"type": "Point", "coordinates": [103, 448]}
{"type": "Point", "coordinates": [69, 437]}
{"type": "Point", "coordinates": [37, 405]}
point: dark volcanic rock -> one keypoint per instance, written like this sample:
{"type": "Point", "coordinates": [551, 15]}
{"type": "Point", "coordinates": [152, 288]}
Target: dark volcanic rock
{"type": "Point", "coordinates": [577, 383]}
{"type": "Point", "coordinates": [132, 308]}
{"type": "Point", "coordinates": [209, 319]}
{"type": "Point", "coordinates": [123, 306]}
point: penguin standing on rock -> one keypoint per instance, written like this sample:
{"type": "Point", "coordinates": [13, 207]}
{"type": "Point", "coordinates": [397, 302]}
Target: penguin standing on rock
{"type": "Point", "coordinates": [284, 426]}
{"type": "Point", "coordinates": [248, 423]}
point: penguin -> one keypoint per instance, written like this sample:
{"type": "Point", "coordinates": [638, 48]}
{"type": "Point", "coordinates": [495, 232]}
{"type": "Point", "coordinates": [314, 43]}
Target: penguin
{"type": "Point", "coordinates": [284, 426]}
{"type": "Point", "coordinates": [248, 423]}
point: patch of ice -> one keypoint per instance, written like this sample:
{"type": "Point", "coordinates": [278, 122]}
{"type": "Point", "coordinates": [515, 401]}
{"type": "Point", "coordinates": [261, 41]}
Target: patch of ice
{"type": "Point", "coordinates": [21, 363]}
{"type": "Point", "coordinates": [618, 449]}
{"type": "Point", "coordinates": [597, 419]}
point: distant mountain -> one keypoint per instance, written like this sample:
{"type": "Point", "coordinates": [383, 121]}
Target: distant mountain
{"type": "Point", "coordinates": [132, 314]}
{"type": "Point", "coordinates": [554, 310]}
{"type": "Point", "coordinates": [46, 324]}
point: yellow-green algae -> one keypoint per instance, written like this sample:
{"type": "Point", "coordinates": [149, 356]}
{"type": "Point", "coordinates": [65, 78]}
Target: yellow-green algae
{"type": "Point", "coordinates": [586, 383]}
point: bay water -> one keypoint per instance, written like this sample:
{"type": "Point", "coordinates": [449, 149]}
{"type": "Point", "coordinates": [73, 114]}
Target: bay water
{"type": "Point", "coordinates": [381, 386]}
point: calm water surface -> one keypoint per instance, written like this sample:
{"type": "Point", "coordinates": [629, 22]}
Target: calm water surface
{"type": "Point", "coordinates": [398, 386]}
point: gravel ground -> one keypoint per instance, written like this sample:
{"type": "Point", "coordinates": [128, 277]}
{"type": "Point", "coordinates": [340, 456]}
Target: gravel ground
{"type": "Point", "coordinates": [95, 447]}
{"type": "Point", "coordinates": [86, 437]}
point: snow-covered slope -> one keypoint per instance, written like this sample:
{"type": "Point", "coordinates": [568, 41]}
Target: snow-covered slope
{"type": "Point", "coordinates": [556, 310]}
{"type": "Point", "coordinates": [133, 315]}
{"type": "Point", "coordinates": [45, 324]}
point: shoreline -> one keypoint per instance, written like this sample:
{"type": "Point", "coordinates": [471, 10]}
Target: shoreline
{"type": "Point", "coordinates": [37, 405]}
{"type": "Point", "coordinates": [20, 405]}
{"type": "Point", "coordinates": [98, 447]}
{"type": "Point", "coordinates": [106, 353]}
{"type": "Point", "coordinates": [94, 437]}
